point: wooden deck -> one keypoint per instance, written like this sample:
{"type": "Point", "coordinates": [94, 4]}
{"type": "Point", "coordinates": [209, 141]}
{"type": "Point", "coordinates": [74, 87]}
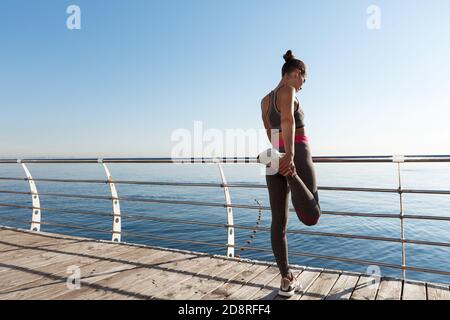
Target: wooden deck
{"type": "Point", "coordinates": [37, 266]}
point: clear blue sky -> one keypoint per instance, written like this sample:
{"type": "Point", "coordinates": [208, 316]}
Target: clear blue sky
{"type": "Point", "coordinates": [137, 70]}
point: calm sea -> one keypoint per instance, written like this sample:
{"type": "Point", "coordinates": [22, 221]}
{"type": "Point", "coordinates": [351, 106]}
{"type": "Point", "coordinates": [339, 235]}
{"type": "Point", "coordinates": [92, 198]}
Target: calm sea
{"type": "Point", "coordinates": [419, 176]}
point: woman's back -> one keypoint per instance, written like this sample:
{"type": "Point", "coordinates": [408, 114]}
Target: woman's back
{"type": "Point", "coordinates": [273, 114]}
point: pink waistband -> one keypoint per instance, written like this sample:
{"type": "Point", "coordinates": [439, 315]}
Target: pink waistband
{"type": "Point", "coordinates": [298, 138]}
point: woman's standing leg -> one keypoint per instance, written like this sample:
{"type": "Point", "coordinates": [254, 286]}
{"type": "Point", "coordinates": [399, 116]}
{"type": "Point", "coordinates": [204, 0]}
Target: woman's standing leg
{"type": "Point", "coordinates": [303, 187]}
{"type": "Point", "coordinates": [279, 200]}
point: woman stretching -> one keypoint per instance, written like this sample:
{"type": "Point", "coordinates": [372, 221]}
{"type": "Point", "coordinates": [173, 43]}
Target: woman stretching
{"type": "Point", "coordinates": [284, 122]}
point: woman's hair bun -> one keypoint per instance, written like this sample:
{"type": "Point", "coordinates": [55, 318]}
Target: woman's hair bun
{"type": "Point", "coordinates": [288, 56]}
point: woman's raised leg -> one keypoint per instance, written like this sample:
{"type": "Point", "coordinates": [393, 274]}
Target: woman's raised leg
{"type": "Point", "coordinates": [303, 187]}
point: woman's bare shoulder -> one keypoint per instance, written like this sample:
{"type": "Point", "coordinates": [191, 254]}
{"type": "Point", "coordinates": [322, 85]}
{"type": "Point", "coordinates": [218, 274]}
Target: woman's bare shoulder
{"type": "Point", "coordinates": [285, 98]}
{"type": "Point", "coordinates": [286, 91]}
{"type": "Point", "coordinates": [264, 101]}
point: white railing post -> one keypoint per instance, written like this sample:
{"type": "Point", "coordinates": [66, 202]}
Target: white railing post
{"type": "Point", "coordinates": [36, 204]}
{"type": "Point", "coordinates": [229, 209]}
{"type": "Point", "coordinates": [117, 220]}
{"type": "Point", "coordinates": [400, 159]}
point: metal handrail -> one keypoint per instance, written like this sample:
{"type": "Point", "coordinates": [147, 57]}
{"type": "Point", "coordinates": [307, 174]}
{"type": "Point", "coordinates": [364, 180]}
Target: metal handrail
{"type": "Point", "coordinates": [230, 226]}
{"type": "Point", "coordinates": [317, 159]}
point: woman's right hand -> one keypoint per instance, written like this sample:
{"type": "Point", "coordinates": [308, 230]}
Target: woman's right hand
{"type": "Point", "coordinates": [286, 166]}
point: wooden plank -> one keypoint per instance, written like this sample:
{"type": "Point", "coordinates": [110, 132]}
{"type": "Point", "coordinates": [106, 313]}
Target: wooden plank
{"type": "Point", "coordinates": [180, 289]}
{"type": "Point", "coordinates": [8, 233]}
{"type": "Point", "coordinates": [366, 288]}
{"type": "Point", "coordinates": [305, 279]}
{"type": "Point", "coordinates": [256, 284]}
{"type": "Point", "coordinates": [24, 238]}
{"type": "Point", "coordinates": [46, 272]}
{"type": "Point", "coordinates": [78, 248]}
{"type": "Point", "coordinates": [15, 251]}
{"type": "Point", "coordinates": [4, 248]}
{"type": "Point", "coordinates": [90, 273]}
{"type": "Point", "coordinates": [17, 239]}
{"type": "Point", "coordinates": [133, 282]}
{"type": "Point", "coordinates": [5, 232]}
{"type": "Point", "coordinates": [29, 269]}
{"type": "Point", "coordinates": [168, 279]}
{"type": "Point", "coordinates": [269, 291]}
{"type": "Point", "coordinates": [65, 250]}
{"type": "Point", "coordinates": [23, 255]}
{"type": "Point", "coordinates": [228, 288]}
{"type": "Point", "coordinates": [30, 278]}
{"type": "Point", "coordinates": [58, 285]}
{"type": "Point", "coordinates": [343, 288]}
{"type": "Point", "coordinates": [30, 244]}
{"type": "Point", "coordinates": [156, 280]}
{"type": "Point", "coordinates": [92, 249]}
{"type": "Point", "coordinates": [390, 289]}
{"type": "Point", "coordinates": [34, 266]}
{"type": "Point", "coordinates": [414, 290]}
{"type": "Point", "coordinates": [23, 276]}
{"type": "Point", "coordinates": [438, 291]}
{"type": "Point", "coordinates": [320, 288]}
{"type": "Point", "coordinates": [206, 286]}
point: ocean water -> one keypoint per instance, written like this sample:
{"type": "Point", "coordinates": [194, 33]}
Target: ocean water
{"type": "Point", "coordinates": [434, 176]}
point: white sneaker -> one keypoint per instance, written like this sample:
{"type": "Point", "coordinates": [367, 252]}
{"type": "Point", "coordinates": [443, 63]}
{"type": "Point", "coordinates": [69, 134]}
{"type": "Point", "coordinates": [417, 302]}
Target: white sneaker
{"type": "Point", "coordinates": [268, 156]}
{"type": "Point", "coordinates": [289, 287]}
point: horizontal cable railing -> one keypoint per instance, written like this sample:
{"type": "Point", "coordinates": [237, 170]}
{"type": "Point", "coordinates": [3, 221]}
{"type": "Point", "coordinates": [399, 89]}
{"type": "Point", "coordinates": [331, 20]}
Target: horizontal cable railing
{"type": "Point", "coordinates": [237, 226]}
{"type": "Point", "coordinates": [215, 204]}
{"type": "Point", "coordinates": [230, 185]}
{"type": "Point", "coordinates": [116, 215]}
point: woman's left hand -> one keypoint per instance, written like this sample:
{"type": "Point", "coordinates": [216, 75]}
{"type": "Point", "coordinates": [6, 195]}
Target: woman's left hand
{"type": "Point", "coordinates": [286, 165]}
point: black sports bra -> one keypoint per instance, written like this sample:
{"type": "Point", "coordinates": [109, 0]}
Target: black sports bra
{"type": "Point", "coordinates": [275, 115]}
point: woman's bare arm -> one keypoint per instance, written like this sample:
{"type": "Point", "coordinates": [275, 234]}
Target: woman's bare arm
{"type": "Point", "coordinates": [265, 120]}
{"type": "Point", "coordinates": [286, 105]}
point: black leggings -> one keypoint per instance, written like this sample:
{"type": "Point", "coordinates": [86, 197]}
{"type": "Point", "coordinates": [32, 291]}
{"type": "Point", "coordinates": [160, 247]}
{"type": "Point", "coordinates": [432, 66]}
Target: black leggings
{"type": "Point", "coordinates": [305, 200]}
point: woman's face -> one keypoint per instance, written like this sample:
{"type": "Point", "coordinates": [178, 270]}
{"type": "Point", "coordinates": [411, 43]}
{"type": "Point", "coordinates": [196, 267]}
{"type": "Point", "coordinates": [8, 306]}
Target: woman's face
{"type": "Point", "coordinates": [302, 78]}
{"type": "Point", "coordinates": [299, 78]}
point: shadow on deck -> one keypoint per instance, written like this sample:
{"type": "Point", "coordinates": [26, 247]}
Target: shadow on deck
{"type": "Point", "coordinates": [46, 266]}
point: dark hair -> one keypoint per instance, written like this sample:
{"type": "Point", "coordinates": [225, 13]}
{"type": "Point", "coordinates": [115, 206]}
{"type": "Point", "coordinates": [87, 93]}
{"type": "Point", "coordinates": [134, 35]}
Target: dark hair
{"type": "Point", "coordinates": [292, 63]}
